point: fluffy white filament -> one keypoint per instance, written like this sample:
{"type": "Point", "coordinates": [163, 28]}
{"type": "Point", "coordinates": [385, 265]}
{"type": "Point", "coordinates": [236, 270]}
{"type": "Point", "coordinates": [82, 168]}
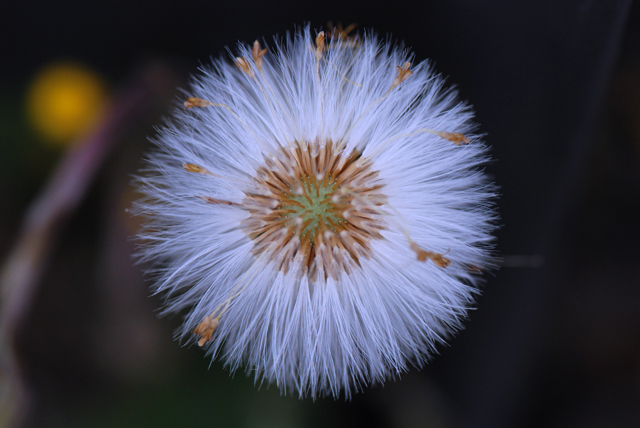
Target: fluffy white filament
{"type": "Point", "coordinates": [319, 335]}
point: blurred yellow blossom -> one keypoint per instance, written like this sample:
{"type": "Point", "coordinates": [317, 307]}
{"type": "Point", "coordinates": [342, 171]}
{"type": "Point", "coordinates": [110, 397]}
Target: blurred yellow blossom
{"type": "Point", "coordinates": [64, 100]}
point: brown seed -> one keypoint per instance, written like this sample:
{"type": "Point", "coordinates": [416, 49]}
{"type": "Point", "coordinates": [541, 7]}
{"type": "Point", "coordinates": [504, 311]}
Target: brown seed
{"type": "Point", "coordinates": [403, 74]}
{"type": "Point", "coordinates": [455, 137]}
{"type": "Point", "coordinates": [244, 65]}
{"type": "Point", "coordinates": [192, 167]}
{"type": "Point", "coordinates": [205, 329]}
{"type": "Point", "coordinates": [320, 40]}
{"type": "Point", "coordinates": [196, 102]}
{"type": "Point", "coordinates": [257, 54]}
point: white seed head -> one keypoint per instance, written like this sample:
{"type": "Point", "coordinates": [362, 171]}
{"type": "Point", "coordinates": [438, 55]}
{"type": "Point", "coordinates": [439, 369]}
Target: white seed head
{"type": "Point", "coordinates": [311, 249]}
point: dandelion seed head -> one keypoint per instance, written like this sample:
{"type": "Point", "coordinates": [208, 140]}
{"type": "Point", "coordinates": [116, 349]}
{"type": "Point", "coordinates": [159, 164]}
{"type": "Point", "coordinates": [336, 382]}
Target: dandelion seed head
{"type": "Point", "coordinates": [319, 211]}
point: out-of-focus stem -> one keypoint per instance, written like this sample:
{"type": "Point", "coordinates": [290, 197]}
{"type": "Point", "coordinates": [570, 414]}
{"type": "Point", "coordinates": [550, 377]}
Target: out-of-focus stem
{"type": "Point", "coordinates": [21, 272]}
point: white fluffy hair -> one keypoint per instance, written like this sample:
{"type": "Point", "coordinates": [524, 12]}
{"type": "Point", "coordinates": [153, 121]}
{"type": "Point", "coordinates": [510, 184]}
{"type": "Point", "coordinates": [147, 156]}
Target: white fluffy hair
{"type": "Point", "coordinates": [332, 325]}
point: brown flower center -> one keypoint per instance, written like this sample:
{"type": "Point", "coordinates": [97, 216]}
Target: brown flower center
{"type": "Point", "coordinates": [315, 209]}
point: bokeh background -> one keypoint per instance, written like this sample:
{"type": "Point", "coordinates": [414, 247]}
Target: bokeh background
{"type": "Point", "coordinates": [554, 340]}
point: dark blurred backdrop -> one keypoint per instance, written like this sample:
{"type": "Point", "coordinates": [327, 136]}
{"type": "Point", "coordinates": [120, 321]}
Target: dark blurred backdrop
{"type": "Point", "coordinates": [555, 338]}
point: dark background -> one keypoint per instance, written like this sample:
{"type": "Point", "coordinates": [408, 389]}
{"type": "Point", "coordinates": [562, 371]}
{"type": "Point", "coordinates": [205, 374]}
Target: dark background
{"type": "Point", "coordinates": [556, 88]}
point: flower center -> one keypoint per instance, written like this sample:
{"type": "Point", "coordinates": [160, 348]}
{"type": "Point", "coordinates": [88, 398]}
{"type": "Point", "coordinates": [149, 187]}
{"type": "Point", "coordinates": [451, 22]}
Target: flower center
{"type": "Point", "coordinates": [315, 209]}
{"type": "Point", "coordinates": [314, 206]}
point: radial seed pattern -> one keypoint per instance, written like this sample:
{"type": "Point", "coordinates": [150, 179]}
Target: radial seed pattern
{"type": "Point", "coordinates": [331, 217]}
{"type": "Point", "coordinates": [315, 207]}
